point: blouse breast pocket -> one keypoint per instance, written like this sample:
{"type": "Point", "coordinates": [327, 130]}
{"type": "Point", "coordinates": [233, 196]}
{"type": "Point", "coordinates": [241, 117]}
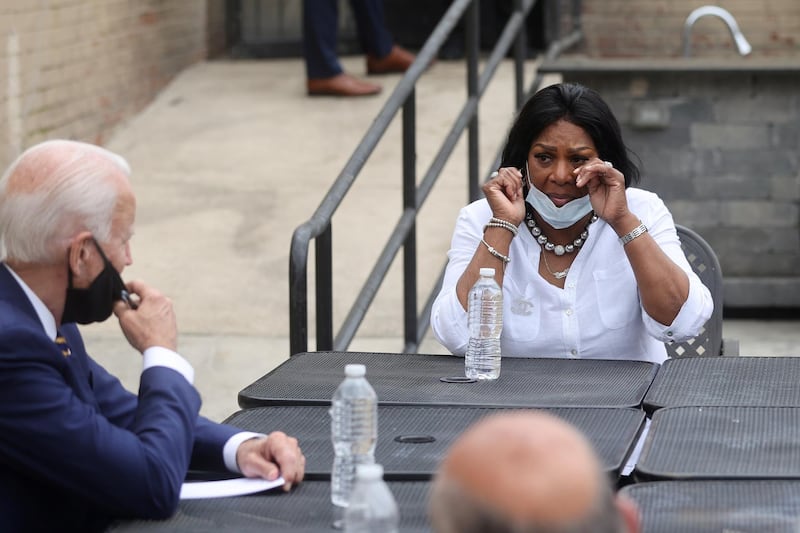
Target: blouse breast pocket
{"type": "Point", "coordinates": [617, 295]}
{"type": "Point", "coordinates": [521, 311]}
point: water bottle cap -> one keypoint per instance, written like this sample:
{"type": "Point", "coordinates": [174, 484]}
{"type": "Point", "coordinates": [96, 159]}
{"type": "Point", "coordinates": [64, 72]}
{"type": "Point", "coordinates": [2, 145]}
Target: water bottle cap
{"type": "Point", "coordinates": [355, 371]}
{"type": "Point", "coordinates": [487, 271]}
{"type": "Point", "coordinates": [369, 471]}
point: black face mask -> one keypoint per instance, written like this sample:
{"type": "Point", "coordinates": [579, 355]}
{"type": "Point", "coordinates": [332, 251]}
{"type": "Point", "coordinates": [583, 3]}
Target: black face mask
{"type": "Point", "coordinates": [96, 302]}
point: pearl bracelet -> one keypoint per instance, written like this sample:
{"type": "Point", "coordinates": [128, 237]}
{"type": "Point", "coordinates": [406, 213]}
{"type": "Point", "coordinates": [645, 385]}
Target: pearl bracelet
{"type": "Point", "coordinates": [504, 258]}
{"type": "Point", "coordinates": [500, 223]}
{"type": "Point", "coordinates": [639, 230]}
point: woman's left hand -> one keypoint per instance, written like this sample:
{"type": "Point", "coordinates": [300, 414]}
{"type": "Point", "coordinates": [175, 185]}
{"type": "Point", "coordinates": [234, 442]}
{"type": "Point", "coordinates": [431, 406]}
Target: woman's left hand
{"type": "Point", "coordinates": [606, 186]}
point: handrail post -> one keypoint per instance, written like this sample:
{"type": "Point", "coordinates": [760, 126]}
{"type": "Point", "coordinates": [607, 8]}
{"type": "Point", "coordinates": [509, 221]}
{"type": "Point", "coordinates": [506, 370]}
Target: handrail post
{"type": "Point", "coordinates": [520, 54]}
{"type": "Point", "coordinates": [410, 202]}
{"type": "Point", "coordinates": [557, 18]}
{"type": "Point", "coordinates": [298, 293]}
{"type": "Point", "coordinates": [472, 33]}
{"type": "Point", "coordinates": [323, 250]}
{"type": "Point", "coordinates": [576, 16]}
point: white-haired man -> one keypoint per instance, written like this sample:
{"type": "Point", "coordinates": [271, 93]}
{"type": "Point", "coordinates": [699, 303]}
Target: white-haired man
{"type": "Point", "coordinates": [76, 449]}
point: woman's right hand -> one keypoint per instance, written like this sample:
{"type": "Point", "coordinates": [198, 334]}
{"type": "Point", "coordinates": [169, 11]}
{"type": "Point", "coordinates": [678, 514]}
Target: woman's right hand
{"type": "Point", "coordinates": [504, 194]}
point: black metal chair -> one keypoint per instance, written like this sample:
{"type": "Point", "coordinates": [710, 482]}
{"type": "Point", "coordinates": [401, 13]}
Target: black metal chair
{"type": "Point", "coordinates": [709, 341]}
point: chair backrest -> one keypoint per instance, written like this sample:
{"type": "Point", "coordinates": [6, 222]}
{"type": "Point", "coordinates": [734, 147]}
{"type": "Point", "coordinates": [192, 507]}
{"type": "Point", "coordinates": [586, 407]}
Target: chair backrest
{"type": "Point", "coordinates": [706, 265]}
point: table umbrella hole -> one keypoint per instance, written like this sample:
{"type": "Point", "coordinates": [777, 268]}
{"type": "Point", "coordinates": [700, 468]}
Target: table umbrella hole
{"type": "Point", "coordinates": [415, 439]}
{"type": "Point", "coordinates": [458, 379]}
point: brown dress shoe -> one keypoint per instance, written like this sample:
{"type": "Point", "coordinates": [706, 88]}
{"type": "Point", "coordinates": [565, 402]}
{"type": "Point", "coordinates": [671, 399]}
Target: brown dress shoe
{"type": "Point", "coordinates": [341, 85]}
{"type": "Point", "coordinates": [397, 60]}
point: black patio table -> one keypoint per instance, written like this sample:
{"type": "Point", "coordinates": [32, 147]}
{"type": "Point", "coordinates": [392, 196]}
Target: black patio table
{"type": "Point", "coordinates": [717, 506]}
{"type": "Point", "coordinates": [404, 379]}
{"type": "Point", "coordinates": [721, 381]}
{"type": "Point", "coordinates": [721, 443]}
{"type": "Point", "coordinates": [306, 509]}
{"type": "Point", "coordinates": [413, 439]}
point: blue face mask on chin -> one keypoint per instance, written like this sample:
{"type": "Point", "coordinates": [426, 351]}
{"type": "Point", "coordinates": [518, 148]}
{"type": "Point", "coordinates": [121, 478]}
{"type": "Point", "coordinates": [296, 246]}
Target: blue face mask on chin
{"type": "Point", "coordinates": [558, 217]}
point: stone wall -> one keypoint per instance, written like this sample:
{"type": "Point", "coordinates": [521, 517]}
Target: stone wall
{"type": "Point", "coordinates": [76, 68]}
{"type": "Point", "coordinates": [719, 143]}
{"type": "Point", "coordinates": [636, 28]}
{"type": "Point", "coordinates": [721, 146]}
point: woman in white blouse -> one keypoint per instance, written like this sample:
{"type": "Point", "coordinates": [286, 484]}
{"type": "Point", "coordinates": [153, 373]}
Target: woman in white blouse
{"type": "Point", "coordinates": [590, 267]}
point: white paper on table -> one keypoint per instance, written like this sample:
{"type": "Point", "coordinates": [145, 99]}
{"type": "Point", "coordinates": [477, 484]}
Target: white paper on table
{"type": "Point", "coordinates": [227, 487]}
{"type": "Point", "coordinates": [637, 450]}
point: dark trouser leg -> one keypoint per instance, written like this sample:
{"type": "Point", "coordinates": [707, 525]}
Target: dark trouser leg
{"type": "Point", "coordinates": [371, 23]}
{"type": "Point", "coordinates": [320, 38]}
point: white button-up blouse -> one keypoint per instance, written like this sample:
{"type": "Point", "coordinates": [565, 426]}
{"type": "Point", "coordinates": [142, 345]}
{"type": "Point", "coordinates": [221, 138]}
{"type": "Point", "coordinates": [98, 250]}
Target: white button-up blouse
{"type": "Point", "coordinates": [598, 314]}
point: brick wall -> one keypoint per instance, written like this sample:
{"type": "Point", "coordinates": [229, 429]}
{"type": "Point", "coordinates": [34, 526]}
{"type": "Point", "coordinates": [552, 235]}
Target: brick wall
{"type": "Point", "coordinates": [634, 28]}
{"type": "Point", "coordinates": [76, 68]}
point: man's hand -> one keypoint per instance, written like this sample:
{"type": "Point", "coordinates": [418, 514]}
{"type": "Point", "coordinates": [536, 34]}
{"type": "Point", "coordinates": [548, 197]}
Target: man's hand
{"type": "Point", "coordinates": [153, 323]}
{"type": "Point", "coordinates": [271, 456]}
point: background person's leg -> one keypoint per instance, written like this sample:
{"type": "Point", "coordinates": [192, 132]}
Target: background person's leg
{"type": "Point", "coordinates": [383, 56]}
{"type": "Point", "coordinates": [320, 37]}
{"type": "Point", "coordinates": [373, 34]}
{"type": "Point", "coordinates": [324, 74]}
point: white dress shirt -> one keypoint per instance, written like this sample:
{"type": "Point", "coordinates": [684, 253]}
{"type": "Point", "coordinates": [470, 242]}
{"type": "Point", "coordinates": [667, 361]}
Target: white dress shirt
{"type": "Point", "coordinates": [598, 314]}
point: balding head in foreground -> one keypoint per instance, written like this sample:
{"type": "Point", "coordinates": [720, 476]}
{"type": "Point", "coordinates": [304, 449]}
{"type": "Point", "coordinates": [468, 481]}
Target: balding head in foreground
{"type": "Point", "coordinates": [525, 472]}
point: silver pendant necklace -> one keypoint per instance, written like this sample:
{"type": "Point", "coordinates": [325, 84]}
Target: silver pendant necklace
{"type": "Point", "coordinates": [559, 274]}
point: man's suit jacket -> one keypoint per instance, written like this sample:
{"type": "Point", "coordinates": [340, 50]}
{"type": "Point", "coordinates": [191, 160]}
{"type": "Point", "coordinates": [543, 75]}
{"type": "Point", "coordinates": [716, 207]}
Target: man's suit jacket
{"type": "Point", "coordinates": [76, 448]}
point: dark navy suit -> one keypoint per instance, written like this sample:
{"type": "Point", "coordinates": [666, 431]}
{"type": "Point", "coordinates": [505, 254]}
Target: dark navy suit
{"type": "Point", "coordinates": [76, 448]}
{"type": "Point", "coordinates": [321, 34]}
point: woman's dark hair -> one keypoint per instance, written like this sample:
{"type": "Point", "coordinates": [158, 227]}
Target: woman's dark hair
{"type": "Point", "coordinates": [577, 105]}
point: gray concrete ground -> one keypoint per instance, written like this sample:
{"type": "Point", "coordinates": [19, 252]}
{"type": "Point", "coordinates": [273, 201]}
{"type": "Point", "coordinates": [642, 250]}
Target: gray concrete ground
{"type": "Point", "coordinates": [232, 156]}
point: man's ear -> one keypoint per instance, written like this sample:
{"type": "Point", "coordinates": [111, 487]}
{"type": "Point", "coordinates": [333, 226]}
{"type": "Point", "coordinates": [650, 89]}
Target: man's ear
{"type": "Point", "coordinates": [629, 513]}
{"type": "Point", "coordinates": [80, 250]}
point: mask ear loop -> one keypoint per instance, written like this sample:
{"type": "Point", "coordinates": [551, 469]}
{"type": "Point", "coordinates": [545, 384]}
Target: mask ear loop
{"type": "Point", "coordinates": [526, 181]}
{"type": "Point", "coordinates": [124, 294]}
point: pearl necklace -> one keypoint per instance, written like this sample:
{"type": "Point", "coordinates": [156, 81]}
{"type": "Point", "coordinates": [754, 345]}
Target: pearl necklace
{"type": "Point", "coordinates": [558, 249]}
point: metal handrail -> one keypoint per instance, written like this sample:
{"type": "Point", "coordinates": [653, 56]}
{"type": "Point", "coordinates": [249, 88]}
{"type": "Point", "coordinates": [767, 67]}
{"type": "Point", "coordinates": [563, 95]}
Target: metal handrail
{"type": "Point", "coordinates": [318, 227]}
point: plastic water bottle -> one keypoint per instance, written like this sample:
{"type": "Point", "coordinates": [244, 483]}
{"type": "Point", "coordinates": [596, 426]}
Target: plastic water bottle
{"type": "Point", "coordinates": [354, 430]}
{"type": "Point", "coordinates": [372, 507]}
{"type": "Point", "coordinates": [485, 320]}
